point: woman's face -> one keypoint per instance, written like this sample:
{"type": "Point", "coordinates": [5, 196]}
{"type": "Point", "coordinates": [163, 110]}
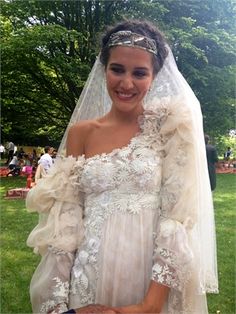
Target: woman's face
{"type": "Point", "coordinates": [129, 75]}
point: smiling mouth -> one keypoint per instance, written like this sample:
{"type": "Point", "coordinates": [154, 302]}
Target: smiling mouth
{"type": "Point", "coordinates": [125, 96]}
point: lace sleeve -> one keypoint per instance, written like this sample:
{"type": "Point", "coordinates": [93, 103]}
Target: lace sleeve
{"type": "Point", "coordinates": [58, 234]}
{"type": "Point", "coordinates": [49, 287]}
{"type": "Point", "coordinates": [176, 253]}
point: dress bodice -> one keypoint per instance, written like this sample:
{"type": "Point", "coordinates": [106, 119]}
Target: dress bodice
{"type": "Point", "coordinates": [127, 179]}
{"type": "Point", "coordinates": [133, 168]}
{"type": "Point", "coordinates": [129, 169]}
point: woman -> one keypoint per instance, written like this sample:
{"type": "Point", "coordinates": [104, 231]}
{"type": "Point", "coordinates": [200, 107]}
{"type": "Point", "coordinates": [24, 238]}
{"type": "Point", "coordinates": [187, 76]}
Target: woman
{"type": "Point", "coordinates": [126, 220]}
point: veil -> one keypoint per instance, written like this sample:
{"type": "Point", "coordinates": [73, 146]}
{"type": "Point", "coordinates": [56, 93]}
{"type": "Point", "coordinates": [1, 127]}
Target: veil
{"type": "Point", "coordinates": [168, 84]}
{"type": "Point", "coordinates": [93, 102]}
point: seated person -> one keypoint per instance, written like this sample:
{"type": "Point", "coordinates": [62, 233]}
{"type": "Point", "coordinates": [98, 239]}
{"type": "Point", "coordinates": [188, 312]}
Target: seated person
{"type": "Point", "coordinates": [14, 166]}
{"type": "Point", "coordinates": [27, 168]}
{"type": "Point", "coordinates": [21, 153]}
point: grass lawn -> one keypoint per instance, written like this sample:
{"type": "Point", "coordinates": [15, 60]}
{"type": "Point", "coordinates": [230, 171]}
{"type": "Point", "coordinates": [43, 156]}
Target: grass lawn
{"type": "Point", "coordinates": [225, 214]}
{"type": "Point", "coordinates": [18, 261]}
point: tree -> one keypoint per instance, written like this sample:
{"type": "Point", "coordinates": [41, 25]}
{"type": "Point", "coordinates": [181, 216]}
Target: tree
{"type": "Point", "coordinates": [202, 33]}
{"type": "Point", "coordinates": [48, 48]}
{"type": "Point", "coordinates": [47, 52]}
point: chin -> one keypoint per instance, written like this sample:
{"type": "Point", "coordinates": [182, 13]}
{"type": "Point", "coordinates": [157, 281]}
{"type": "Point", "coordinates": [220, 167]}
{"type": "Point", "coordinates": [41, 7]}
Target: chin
{"type": "Point", "coordinates": [126, 107]}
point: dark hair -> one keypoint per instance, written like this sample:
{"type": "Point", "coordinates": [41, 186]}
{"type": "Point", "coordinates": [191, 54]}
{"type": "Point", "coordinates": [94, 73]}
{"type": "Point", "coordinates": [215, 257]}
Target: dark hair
{"type": "Point", "coordinates": [46, 149]}
{"type": "Point", "coordinates": [143, 28]}
{"type": "Point", "coordinates": [207, 138]}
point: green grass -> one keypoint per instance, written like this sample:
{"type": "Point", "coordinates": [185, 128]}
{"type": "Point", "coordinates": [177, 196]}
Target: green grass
{"type": "Point", "coordinates": [18, 261]}
{"type": "Point", "coordinates": [225, 205]}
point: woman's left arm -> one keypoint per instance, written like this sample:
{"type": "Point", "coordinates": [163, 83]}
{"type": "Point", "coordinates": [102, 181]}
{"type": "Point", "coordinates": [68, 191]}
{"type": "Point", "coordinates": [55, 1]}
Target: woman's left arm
{"type": "Point", "coordinates": [152, 303]}
{"type": "Point", "coordinates": [173, 256]}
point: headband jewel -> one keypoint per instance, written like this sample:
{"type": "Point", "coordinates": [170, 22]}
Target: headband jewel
{"type": "Point", "coordinates": [130, 39]}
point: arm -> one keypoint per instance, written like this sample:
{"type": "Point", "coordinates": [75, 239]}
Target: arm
{"type": "Point", "coordinates": [77, 135]}
{"type": "Point", "coordinates": [175, 269]}
{"type": "Point", "coordinates": [184, 244]}
{"type": "Point", "coordinates": [49, 286]}
{"type": "Point", "coordinates": [57, 199]}
{"type": "Point", "coordinates": [152, 303]}
{"type": "Point", "coordinates": [57, 235]}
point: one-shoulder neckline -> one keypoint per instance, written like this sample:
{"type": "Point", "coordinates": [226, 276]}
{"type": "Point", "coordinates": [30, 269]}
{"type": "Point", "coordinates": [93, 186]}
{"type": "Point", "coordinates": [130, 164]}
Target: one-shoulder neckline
{"type": "Point", "coordinates": [116, 150]}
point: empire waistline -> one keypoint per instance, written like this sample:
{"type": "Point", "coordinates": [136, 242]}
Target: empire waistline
{"type": "Point", "coordinates": [124, 201]}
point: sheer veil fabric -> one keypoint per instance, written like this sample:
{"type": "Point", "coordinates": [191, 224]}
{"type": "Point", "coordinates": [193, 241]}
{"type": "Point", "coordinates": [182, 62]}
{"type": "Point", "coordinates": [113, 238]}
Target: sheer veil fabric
{"type": "Point", "coordinates": [169, 90]}
{"type": "Point", "coordinates": [94, 101]}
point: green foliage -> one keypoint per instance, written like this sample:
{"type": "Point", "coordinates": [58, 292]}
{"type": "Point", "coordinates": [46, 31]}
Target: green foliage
{"type": "Point", "coordinates": [49, 80]}
{"type": "Point", "coordinates": [204, 43]}
{"type": "Point", "coordinates": [18, 261]}
{"type": "Point", "coordinates": [222, 142]}
{"type": "Point", "coordinates": [48, 48]}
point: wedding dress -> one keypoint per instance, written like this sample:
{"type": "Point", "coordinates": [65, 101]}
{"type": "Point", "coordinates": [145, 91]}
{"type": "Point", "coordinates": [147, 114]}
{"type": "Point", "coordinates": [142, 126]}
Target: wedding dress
{"type": "Point", "coordinates": [112, 222]}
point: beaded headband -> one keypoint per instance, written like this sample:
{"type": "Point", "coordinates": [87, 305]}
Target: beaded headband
{"type": "Point", "coordinates": [130, 39]}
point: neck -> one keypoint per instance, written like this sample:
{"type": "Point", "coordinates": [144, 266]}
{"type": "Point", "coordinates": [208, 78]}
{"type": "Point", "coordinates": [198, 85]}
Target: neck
{"type": "Point", "coordinates": [125, 117]}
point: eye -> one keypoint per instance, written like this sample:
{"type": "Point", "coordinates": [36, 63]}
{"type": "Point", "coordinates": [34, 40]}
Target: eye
{"type": "Point", "coordinates": [140, 73]}
{"type": "Point", "coordinates": [117, 70]}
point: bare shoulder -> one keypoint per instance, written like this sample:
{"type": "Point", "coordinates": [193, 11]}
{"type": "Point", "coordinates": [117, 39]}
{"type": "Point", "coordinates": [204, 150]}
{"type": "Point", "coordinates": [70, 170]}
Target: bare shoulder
{"type": "Point", "coordinates": [77, 135]}
{"type": "Point", "coordinates": [83, 126]}
{"type": "Point", "coordinates": [83, 129]}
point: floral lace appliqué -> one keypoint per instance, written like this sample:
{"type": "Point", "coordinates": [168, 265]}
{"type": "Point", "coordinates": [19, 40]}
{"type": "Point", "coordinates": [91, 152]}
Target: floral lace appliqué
{"type": "Point", "coordinates": [165, 273]}
{"type": "Point", "coordinates": [60, 294]}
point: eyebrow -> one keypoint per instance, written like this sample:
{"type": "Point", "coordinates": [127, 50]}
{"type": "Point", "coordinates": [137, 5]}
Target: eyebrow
{"type": "Point", "coordinates": [121, 66]}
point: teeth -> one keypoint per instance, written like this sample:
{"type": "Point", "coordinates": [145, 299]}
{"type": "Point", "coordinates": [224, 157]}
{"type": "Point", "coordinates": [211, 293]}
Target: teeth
{"type": "Point", "coordinates": [125, 95]}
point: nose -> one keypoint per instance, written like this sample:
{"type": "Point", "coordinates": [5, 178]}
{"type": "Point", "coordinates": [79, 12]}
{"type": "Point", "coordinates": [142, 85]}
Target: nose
{"type": "Point", "coordinates": [127, 82]}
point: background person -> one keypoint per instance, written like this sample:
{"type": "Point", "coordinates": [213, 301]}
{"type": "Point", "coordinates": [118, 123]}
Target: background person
{"type": "Point", "coordinates": [21, 153]}
{"type": "Point", "coordinates": [14, 166]}
{"type": "Point", "coordinates": [228, 153]}
{"type": "Point", "coordinates": [126, 220]}
{"type": "Point", "coordinates": [2, 151]}
{"type": "Point", "coordinates": [45, 160]}
{"type": "Point", "coordinates": [54, 155]}
{"type": "Point", "coordinates": [227, 156]}
{"type": "Point", "coordinates": [10, 150]}
{"type": "Point", "coordinates": [34, 155]}
{"type": "Point", "coordinates": [212, 158]}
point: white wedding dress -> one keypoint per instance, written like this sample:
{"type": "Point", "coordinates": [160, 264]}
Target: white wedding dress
{"type": "Point", "coordinates": [111, 223]}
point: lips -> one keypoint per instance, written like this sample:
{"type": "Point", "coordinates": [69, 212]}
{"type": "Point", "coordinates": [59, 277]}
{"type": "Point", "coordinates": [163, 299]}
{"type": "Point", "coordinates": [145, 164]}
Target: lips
{"type": "Point", "coordinates": [125, 96]}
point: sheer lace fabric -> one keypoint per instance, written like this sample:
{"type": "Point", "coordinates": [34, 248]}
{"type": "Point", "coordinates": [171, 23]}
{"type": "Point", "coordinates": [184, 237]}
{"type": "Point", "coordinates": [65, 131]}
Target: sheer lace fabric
{"type": "Point", "coordinates": [169, 92]}
{"type": "Point", "coordinates": [140, 221]}
{"type": "Point", "coordinates": [121, 207]}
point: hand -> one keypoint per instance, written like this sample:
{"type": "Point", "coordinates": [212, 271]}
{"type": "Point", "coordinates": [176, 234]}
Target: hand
{"type": "Point", "coordinates": [135, 308]}
{"type": "Point", "coordinates": [96, 308]}
{"type": "Point", "coordinates": [141, 308]}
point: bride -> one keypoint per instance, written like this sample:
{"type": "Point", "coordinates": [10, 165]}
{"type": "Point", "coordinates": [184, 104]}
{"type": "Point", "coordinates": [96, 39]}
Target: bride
{"type": "Point", "coordinates": [126, 219]}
